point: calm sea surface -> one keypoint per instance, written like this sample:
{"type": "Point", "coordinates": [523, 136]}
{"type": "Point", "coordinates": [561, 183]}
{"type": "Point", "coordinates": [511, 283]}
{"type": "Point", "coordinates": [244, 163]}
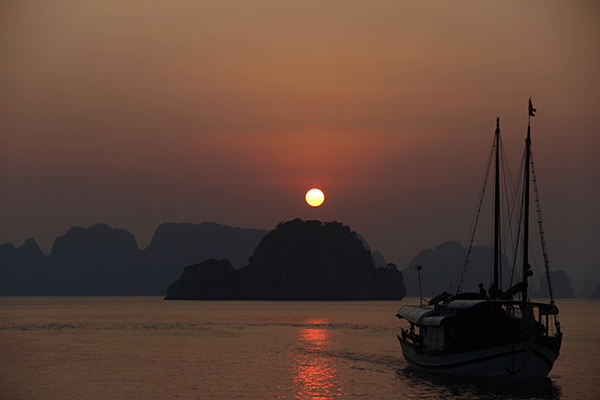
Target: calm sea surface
{"type": "Point", "coordinates": [147, 348]}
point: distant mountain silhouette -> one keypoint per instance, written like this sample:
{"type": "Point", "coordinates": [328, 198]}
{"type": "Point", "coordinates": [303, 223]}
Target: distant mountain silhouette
{"type": "Point", "coordinates": [175, 245]}
{"type": "Point", "coordinates": [298, 260]}
{"type": "Point", "coordinates": [590, 287]}
{"type": "Point", "coordinates": [441, 270]}
{"type": "Point", "coordinates": [100, 260]}
{"type": "Point", "coordinates": [561, 286]}
{"type": "Point", "coordinates": [596, 293]}
{"type": "Point", "coordinates": [184, 243]}
{"type": "Point", "coordinates": [23, 270]}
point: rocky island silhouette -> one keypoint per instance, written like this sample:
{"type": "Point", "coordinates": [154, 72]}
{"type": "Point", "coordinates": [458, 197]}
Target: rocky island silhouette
{"type": "Point", "coordinates": [298, 260]}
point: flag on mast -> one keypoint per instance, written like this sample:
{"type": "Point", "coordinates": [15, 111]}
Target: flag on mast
{"type": "Point", "coordinates": [531, 109]}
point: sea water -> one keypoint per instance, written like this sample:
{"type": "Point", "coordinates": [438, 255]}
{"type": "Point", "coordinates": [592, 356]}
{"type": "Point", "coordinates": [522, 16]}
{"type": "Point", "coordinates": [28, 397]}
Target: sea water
{"type": "Point", "coordinates": [148, 348]}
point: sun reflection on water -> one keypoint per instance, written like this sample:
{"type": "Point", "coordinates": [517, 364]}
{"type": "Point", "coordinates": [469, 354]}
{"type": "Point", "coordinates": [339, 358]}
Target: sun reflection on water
{"type": "Point", "coordinates": [315, 372]}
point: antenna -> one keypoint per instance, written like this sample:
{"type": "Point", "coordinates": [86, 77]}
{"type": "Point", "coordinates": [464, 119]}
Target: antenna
{"type": "Point", "coordinates": [418, 267]}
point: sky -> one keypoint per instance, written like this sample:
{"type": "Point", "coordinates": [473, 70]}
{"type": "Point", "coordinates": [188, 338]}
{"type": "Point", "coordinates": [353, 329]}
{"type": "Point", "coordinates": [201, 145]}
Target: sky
{"type": "Point", "coordinates": [142, 112]}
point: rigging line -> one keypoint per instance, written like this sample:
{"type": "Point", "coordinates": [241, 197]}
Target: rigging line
{"type": "Point", "coordinates": [520, 194]}
{"type": "Point", "coordinates": [541, 228]}
{"type": "Point", "coordinates": [514, 216]}
{"type": "Point", "coordinates": [510, 205]}
{"type": "Point", "coordinates": [475, 221]}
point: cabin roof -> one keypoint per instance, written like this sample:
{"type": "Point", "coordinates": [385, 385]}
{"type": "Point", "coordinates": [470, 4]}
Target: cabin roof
{"type": "Point", "coordinates": [421, 315]}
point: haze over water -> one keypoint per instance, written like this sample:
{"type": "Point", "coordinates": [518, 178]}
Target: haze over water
{"type": "Point", "coordinates": [140, 347]}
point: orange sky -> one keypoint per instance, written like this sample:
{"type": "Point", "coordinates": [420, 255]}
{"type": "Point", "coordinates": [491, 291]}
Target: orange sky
{"type": "Point", "coordinates": [142, 112]}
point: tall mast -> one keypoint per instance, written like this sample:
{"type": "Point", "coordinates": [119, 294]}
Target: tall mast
{"type": "Point", "coordinates": [526, 180]}
{"type": "Point", "coordinates": [497, 209]}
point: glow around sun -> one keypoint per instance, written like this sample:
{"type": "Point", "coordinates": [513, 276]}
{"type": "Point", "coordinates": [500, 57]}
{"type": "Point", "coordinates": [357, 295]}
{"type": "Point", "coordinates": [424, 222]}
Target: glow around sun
{"type": "Point", "coordinates": [315, 197]}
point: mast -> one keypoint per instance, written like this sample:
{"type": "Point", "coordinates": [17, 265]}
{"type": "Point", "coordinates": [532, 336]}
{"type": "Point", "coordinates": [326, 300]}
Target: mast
{"type": "Point", "coordinates": [497, 211]}
{"type": "Point", "coordinates": [526, 181]}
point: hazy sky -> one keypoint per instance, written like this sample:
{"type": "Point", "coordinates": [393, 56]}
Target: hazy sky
{"type": "Point", "coordinates": [141, 112]}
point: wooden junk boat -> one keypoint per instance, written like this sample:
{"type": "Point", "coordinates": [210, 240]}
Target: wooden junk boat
{"type": "Point", "coordinates": [471, 334]}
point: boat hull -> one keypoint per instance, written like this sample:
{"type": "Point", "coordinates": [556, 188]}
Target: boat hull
{"type": "Point", "coordinates": [525, 360]}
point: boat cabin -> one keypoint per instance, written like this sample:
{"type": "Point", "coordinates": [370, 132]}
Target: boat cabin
{"type": "Point", "coordinates": [469, 323]}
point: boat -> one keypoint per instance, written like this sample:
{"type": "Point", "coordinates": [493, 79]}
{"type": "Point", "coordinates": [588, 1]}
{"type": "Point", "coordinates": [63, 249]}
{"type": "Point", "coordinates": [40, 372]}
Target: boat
{"type": "Point", "coordinates": [500, 335]}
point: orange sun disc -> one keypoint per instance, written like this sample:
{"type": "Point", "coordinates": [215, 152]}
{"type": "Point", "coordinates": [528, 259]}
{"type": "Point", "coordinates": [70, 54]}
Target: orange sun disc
{"type": "Point", "coordinates": [315, 197]}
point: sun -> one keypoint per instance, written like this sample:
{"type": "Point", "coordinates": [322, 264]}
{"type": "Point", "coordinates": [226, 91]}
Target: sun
{"type": "Point", "coordinates": [315, 197]}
